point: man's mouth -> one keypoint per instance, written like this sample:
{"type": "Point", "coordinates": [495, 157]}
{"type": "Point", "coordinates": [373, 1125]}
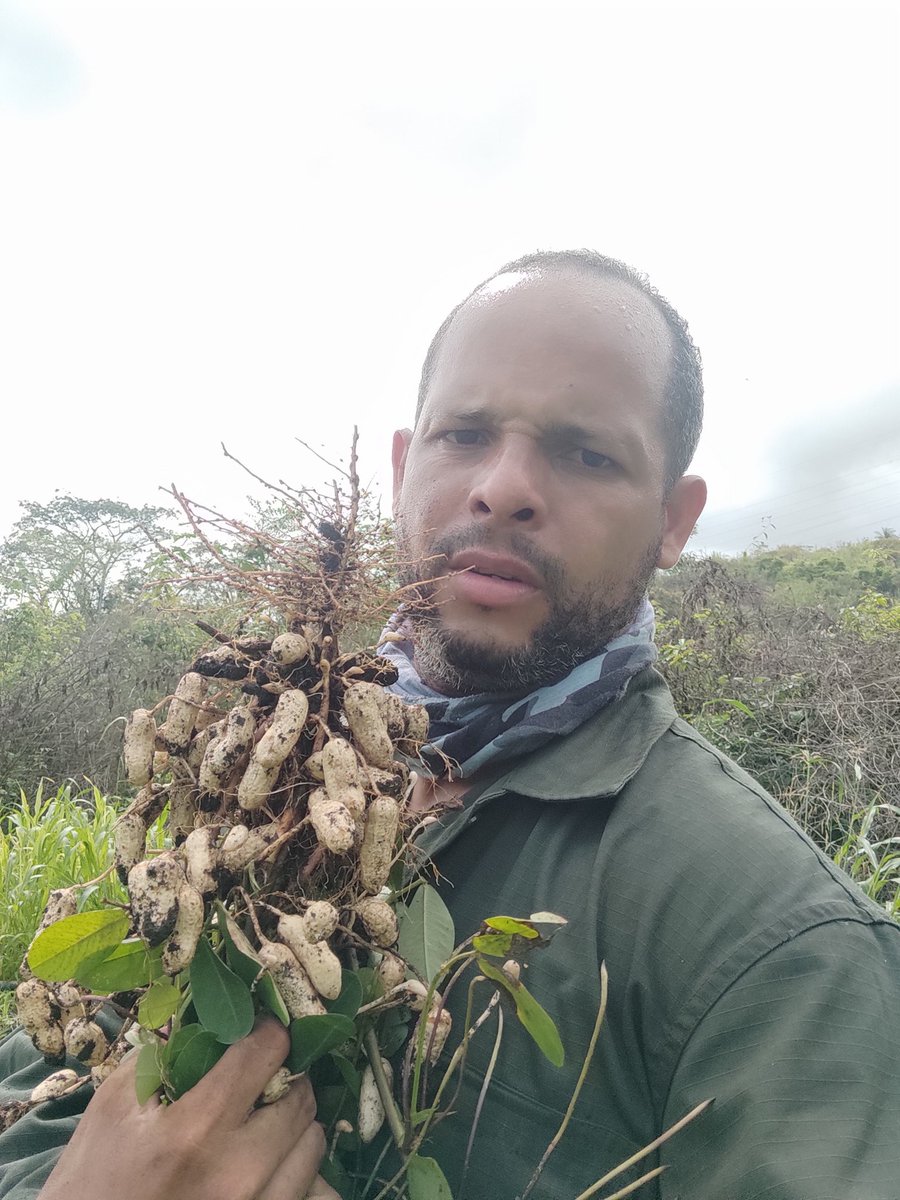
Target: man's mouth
{"type": "Point", "coordinates": [491, 581]}
{"type": "Point", "coordinates": [494, 566]}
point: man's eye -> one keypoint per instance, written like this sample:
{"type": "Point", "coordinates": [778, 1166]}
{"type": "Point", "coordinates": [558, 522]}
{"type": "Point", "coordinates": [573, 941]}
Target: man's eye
{"type": "Point", "coordinates": [591, 459]}
{"type": "Point", "coordinates": [464, 437]}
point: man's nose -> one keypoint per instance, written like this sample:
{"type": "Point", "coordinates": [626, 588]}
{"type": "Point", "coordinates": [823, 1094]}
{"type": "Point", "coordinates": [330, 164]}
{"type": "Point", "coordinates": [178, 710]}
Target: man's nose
{"type": "Point", "coordinates": [508, 487]}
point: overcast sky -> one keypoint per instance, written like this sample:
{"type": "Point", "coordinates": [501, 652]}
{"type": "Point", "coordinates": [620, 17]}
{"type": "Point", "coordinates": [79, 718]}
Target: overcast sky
{"type": "Point", "coordinates": [242, 222]}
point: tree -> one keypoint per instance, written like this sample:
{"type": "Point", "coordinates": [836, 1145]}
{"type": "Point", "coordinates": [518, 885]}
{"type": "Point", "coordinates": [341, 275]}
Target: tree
{"type": "Point", "coordinates": [71, 555]}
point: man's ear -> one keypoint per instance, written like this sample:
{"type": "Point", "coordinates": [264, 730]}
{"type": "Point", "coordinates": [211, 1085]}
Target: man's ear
{"type": "Point", "coordinates": [683, 509]}
{"type": "Point", "coordinates": [399, 451]}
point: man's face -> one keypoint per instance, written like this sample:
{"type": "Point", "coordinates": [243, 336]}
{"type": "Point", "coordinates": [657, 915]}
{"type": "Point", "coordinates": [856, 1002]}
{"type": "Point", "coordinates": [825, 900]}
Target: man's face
{"type": "Point", "coordinates": [530, 500]}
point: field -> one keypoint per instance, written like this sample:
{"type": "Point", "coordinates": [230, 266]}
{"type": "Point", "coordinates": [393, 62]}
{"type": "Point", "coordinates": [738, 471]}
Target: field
{"type": "Point", "coordinates": [787, 659]}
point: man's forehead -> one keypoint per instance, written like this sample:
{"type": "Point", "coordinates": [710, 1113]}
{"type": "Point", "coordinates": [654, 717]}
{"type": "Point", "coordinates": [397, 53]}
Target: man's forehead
{"type": "Point", "coordinates": [560, 311]}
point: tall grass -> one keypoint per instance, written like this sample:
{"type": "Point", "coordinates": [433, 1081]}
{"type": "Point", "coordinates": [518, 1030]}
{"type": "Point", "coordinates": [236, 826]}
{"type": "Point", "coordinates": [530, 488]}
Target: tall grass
{"type": "Point", "coordinates": [874, 863]}
{"type": "Point", "coordinates": [48, 841]}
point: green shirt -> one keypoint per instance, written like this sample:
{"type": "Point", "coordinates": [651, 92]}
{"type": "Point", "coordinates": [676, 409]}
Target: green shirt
{"type": "Point", "coordinates": [742, 965]}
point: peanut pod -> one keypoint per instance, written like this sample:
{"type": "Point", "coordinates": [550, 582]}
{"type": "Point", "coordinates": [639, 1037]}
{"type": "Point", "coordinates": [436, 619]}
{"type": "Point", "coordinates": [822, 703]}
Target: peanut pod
{"type": "Point", "coordinates": [362, 708]}
{"type": "Point", "coordinates": [437, 1029]}
{"type": "Point", "coordinates": [416, 723]}
{"type": "Point", "coordinates": [340, 771]}
{"type": "Point", "coordinates": [201, 859]}
{"type": "Point", "coordinates": [314, 767]}
{"type": "Point", "coordinates": [284, 732]}
{"type": "Point", "coordinates": [53, 1086]}
{"type": "Point", "coordinates": [371, 1109]}
{"type": "Point", "coordinates": [389, 783]}
{"type": "Point", "coordinates": [238, 850]}
{"type": "Point", "coordinates": [37, 1015]}
{"type": "Point", "coordinates": [181, 945]}
{"type": "Point", "coordinates": [62, 902]}
{"type": "Point", "coordinates": [292, 981]}
{"type": "Point", "coordinates": [200, 743]}
{"type": "Point", "coordinates": [377, 851]}
{"type": "Point", "coordinates": [320, 920]}
{"type": "Point", "coordinates": [222, 753]}
{"type": "Point", "coordinates": [138, 747]}
{"type": "Point", "coordinates": [332, 821]}
{"type": "Point", "coordinates": [257, 785]}
{"type": "Point", "coordinates": [182, 809]}
{"type": "Point", "coordinates": [149, 802]}
{"type": "Point", "coordinates": [278, 1086]}
{"type": "Point", "coordinates": [318, 960]}
{"type": "Point", "coordinates": [390, 972]}
{"type": "Point", "coordinates": [86, 1041]}
{"type": "Point", "coordinates": [153, 888]}
{"type": "Point", "coordinates": [67, 997]}
{"type": "Point", "coordinates": [379, 919]}
{"type": "Point", "coordinates": [182, 714]}
{"type": "Point", "coordinates": [130, 842]}
{"type": "Point", "coordinates": [289, 649]}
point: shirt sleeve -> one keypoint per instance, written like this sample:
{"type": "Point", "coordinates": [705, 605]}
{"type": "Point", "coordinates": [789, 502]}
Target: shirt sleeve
{"type": "Point", "coordinates": [29, 1148]}
{"type": "Point", "coordinates": [802, 1055]}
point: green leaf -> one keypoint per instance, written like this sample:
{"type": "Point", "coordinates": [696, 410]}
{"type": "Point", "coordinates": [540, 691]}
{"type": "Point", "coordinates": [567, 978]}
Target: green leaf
{"type": "Point", "coordinates": [426, 932]}
{"type": "Point", "coordinates": [536, 1020]}
{"type": "Point", "coordinates": [512, 925]}
{"type": "Point", "coordinates": [239, 954]}
{"type": "Point", "coordinates": [147, 1076]}
{"type": "Point", "coordinates": [199, 1056]}
{"type": "Point", "coordinates": [349, 1073]}
{"type": "Point", "coordinates": [158, 1003]}
{"type": "Point", "coordinates": [176, 1043]}
{"type": "Point", "coordinates": [393, 1030]}
{"type": "Point", "coordinates": [349, 1001]}
{"type": "Point", "coordinates": [497, 944]}
{"type": "Point", "coordinates": [270, 999]}
{"type": "Point", "coordinates": [426, 1179]}
{"type": "Point", "coordinates": [242, 959]}
{"type": "Point", "coordinates": [371, 987]}
{"type": "Point", "coordinates": [313, 1037]}
{"type": "Point", "coordinates": [75, 943]}
{"type": "Point", "coordinates": [131, 965]}
{"type": "Point", "coordinates": [335, 1174]}
{"type": "Point", "coordinates": [222, 999]}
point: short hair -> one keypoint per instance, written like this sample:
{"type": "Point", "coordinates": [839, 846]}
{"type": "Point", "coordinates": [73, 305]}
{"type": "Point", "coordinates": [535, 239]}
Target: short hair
{"type": "Point", "coordinates": [683, 411]}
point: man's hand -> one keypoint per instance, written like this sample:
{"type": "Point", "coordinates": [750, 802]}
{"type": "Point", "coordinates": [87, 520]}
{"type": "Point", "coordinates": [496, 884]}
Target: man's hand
{"type": "Point", "coordinates": [209, 1145]}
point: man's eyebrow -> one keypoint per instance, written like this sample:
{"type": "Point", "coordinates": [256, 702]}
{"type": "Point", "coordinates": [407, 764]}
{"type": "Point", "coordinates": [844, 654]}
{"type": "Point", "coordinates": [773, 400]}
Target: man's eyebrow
{"type": "Point", "coordinates": [481, 415]}
{"type": "Point", "coordinates": [568, 431]}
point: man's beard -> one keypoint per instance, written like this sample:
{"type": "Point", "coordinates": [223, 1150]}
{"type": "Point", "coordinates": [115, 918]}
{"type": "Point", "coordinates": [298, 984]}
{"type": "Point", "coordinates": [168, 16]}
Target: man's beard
{"type": "Point", "coordinates": [578, 625]}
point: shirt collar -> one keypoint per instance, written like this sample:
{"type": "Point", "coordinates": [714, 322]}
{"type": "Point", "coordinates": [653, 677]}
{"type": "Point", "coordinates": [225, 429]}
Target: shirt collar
{"type": "Point", "coordinates": [601, 756]}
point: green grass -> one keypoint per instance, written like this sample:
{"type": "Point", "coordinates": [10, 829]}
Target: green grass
{"type": "Point", "coordinates": [874, 863]}
{"type": "Point", "coordinates": [50, 841]}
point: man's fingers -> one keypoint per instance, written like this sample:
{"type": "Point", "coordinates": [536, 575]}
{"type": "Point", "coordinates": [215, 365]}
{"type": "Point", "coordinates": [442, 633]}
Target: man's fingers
{"type": "Point", "coordinates": [236, 1081]}
{"type": "Point", "coordinates": [283, 1122]}
{"type": "Point", "coordinates": [321, 1190]}
{"type": "Point", "coordinates": [299, 1169]}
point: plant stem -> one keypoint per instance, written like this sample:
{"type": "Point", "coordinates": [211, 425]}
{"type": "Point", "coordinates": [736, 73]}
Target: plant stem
{"type": "Point", "coordinates": [633, 1187]}
{"type": "Point", "coordinates": [482, 1095]}
{"type": "Point", "coordinates": [592, 1045]}
{"type": "Point", "coordinates": [391, 1111]}
{"type": "Point", "coordinates": [423, 1022]}
{"type": "Point", "coordinates": [648, 1149]}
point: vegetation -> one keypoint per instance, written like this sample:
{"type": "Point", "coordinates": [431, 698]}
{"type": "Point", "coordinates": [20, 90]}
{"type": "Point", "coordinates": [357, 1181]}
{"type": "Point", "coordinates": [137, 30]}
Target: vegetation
{"type": "Point", "coordinates": [805, 696]}
{"type": "Point", "coordinates": [787, 659]}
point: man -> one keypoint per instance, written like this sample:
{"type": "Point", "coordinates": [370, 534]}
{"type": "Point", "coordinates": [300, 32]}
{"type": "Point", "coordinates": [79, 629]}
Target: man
{"type": "Point", "coordinates": [542, 485]}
